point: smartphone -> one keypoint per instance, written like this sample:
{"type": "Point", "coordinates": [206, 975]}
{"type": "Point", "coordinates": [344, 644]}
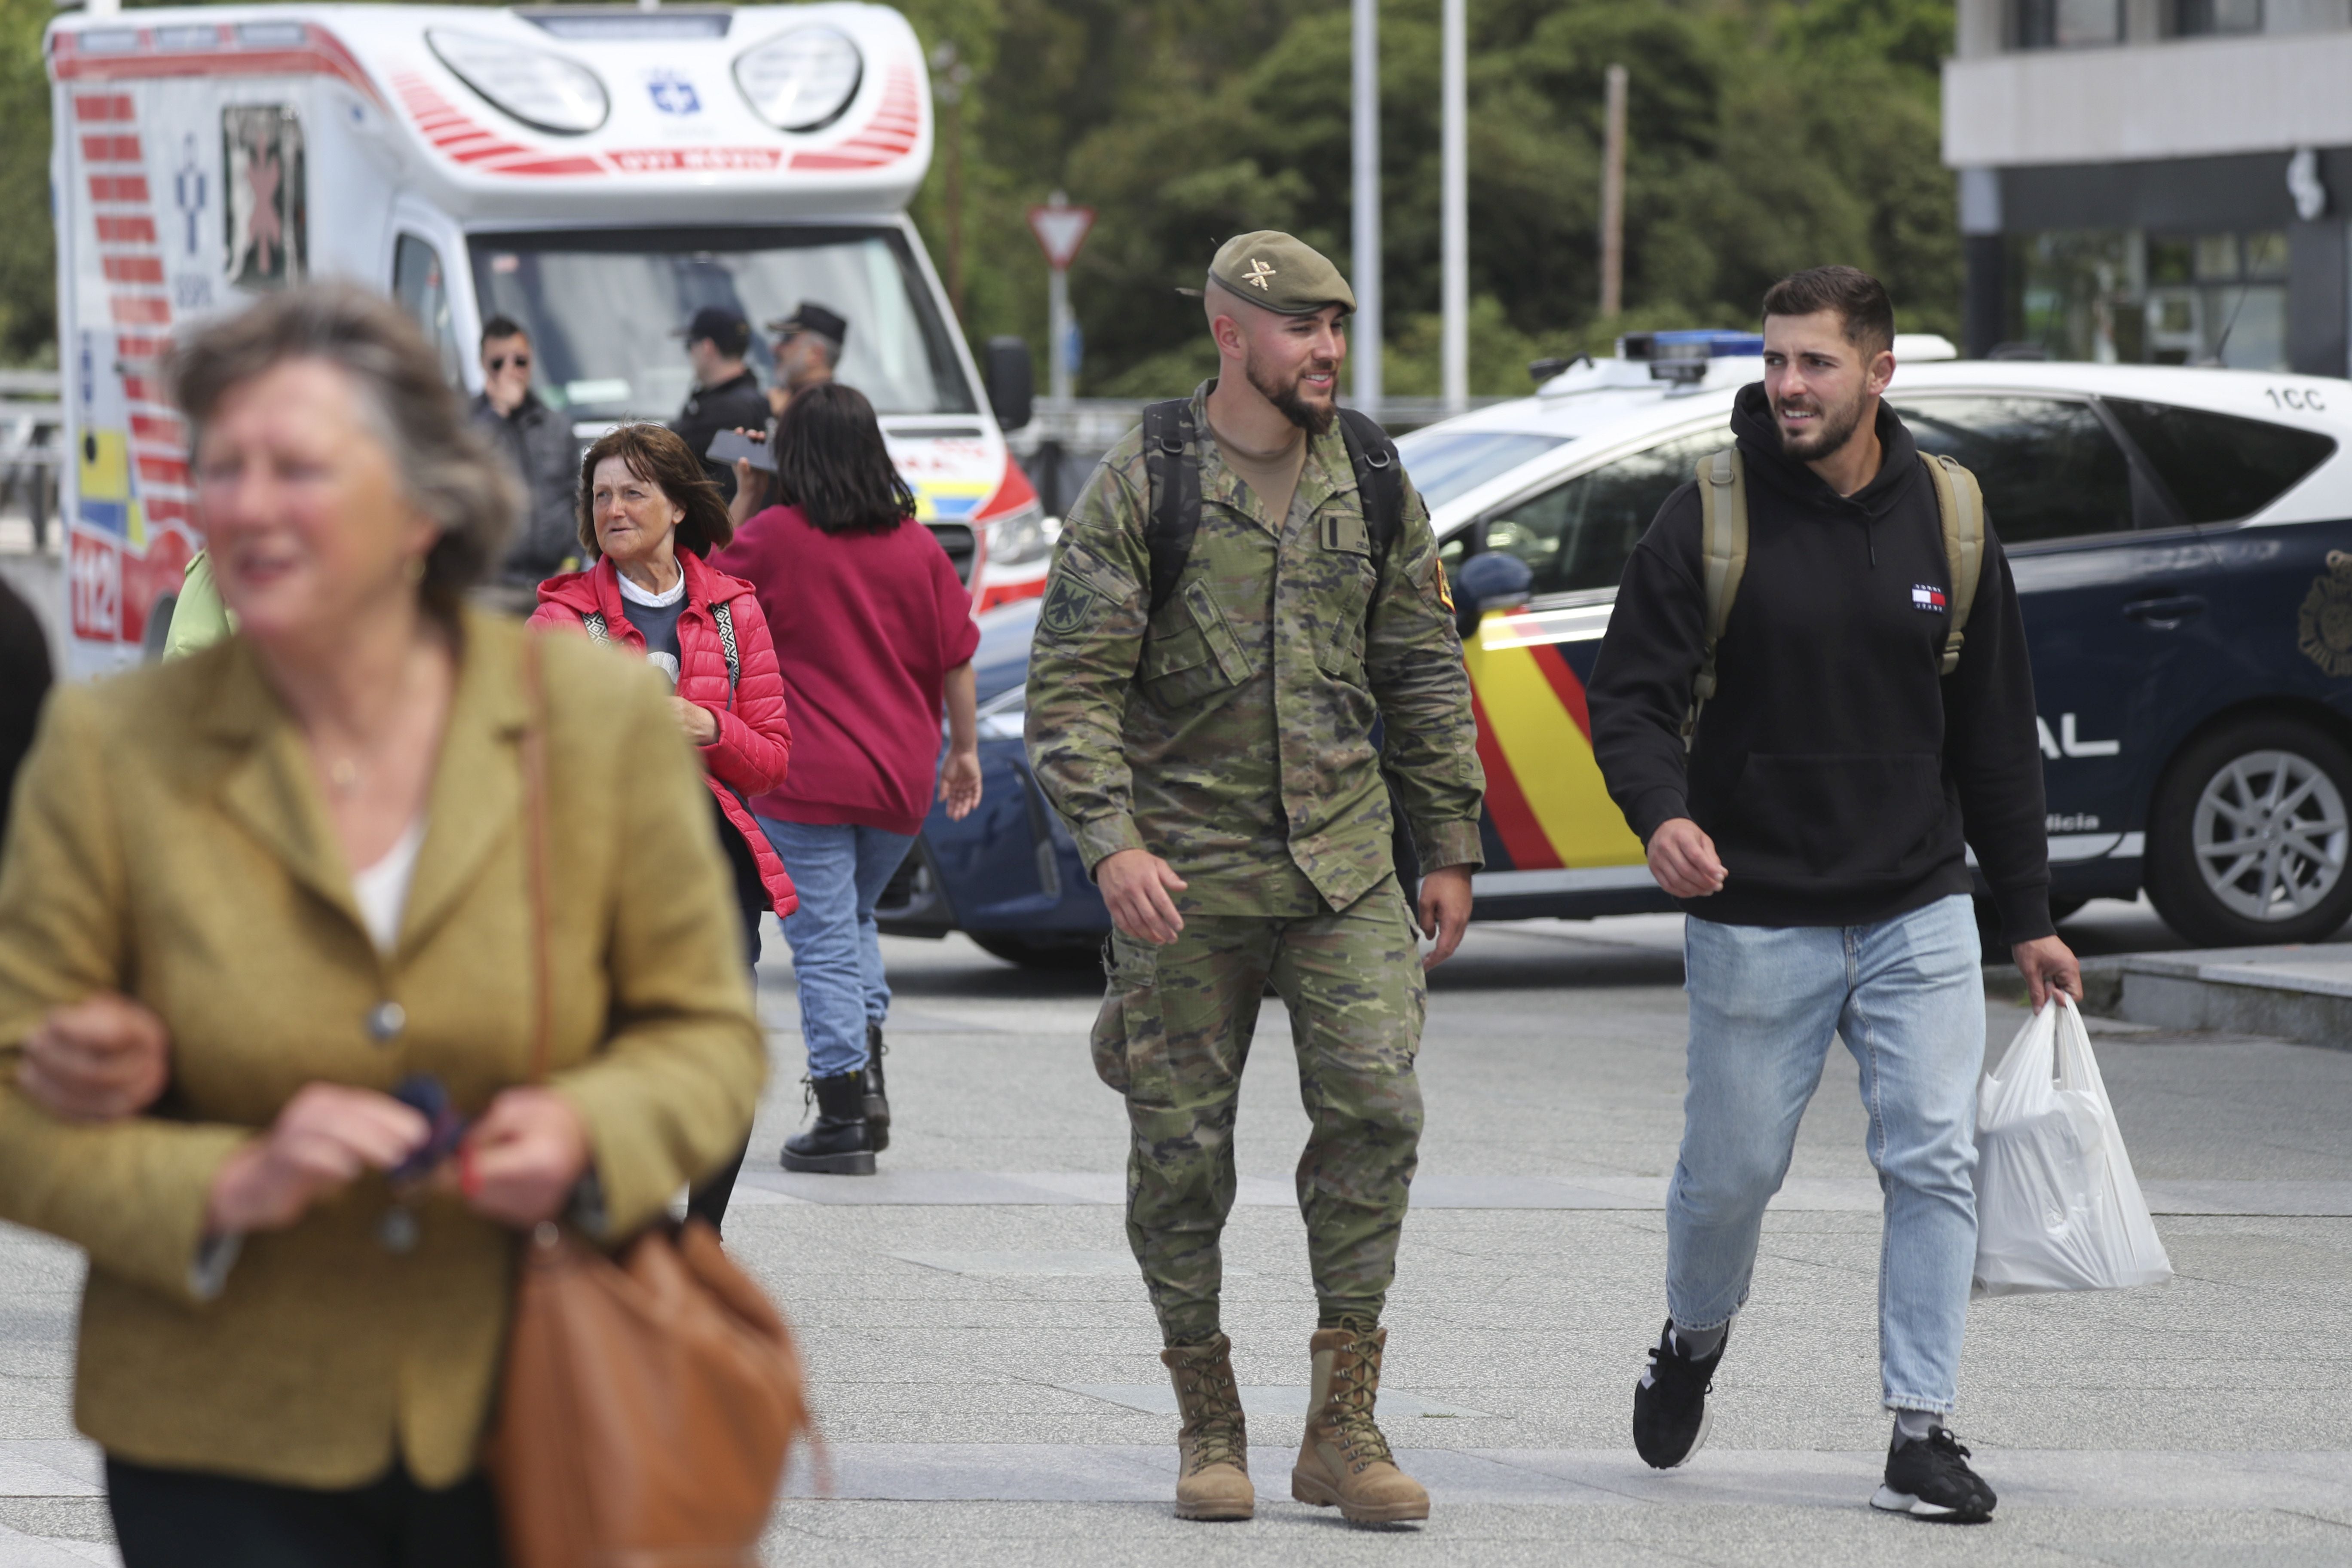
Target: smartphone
{"type": "Point", "coordinates": [729, 445]}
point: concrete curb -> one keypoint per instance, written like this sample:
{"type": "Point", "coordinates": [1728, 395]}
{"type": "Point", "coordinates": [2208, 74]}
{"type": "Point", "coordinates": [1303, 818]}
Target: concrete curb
{"type": "Point", "coordinates": [2300, 994]}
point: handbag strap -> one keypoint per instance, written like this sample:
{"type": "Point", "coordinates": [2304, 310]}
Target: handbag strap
{"type": "Point", "coordinates": [534, 815]}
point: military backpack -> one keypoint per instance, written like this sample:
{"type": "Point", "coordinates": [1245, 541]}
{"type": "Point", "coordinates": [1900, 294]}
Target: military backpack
{"type": "Point", "coordinates": [1723, 554]}
{"type": "Point", "coordinates": [1170, 444]}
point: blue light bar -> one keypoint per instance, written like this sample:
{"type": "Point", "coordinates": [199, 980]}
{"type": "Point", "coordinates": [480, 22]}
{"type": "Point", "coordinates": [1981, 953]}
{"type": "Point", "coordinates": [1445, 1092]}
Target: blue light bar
{"type": "Point", "coordinates": [1708, 342]}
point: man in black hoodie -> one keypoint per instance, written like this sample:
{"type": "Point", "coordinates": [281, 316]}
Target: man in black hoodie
{"type": "Point", "coordinates": [1815, 830]}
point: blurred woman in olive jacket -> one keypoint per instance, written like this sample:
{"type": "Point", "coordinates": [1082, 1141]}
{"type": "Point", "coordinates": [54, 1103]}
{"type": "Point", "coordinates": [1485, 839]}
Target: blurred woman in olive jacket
{"type": "Point", "coordinates": [293, 867]}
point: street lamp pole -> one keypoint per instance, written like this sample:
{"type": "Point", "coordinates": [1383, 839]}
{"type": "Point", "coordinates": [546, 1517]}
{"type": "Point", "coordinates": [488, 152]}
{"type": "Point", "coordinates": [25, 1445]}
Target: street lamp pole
{"type": "Point", "coordinates": [1613, 196]}
{"type": "Point", "coordinates": [1366, 35]}
{"type": "Point", "coordinates": [1453, 201]}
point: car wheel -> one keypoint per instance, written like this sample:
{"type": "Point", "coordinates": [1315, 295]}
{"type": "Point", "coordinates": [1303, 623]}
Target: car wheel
{"type": "Point", "coordinates": [2248, 839]}
{"type": "Point", "coordinates": [1065, 952]}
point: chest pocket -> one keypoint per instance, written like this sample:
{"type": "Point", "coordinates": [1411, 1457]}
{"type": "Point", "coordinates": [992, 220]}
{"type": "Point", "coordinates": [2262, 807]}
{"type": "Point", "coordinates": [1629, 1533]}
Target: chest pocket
{"type": "Point", "coordinates": [1191, 653]}
{"type": "Point", "coordinates": [1345, 580]}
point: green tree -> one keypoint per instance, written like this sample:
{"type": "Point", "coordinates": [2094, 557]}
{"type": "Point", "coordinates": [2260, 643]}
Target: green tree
{"type": "Point", "coordinates": [28, 316]}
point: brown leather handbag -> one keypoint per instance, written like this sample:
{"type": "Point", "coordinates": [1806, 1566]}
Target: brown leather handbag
{"type": "Point", "coordinates": [650, 1400]}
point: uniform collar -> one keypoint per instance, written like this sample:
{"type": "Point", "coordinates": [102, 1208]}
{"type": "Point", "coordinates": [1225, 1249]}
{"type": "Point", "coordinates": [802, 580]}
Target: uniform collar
{"type": "Point", "coordinates": [1326, 474]}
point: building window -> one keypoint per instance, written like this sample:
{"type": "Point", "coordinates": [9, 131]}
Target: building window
{"type": "Point", "coordinates": [2207, 19]}
{"type": "Point", "coordinates": [2073, 24]}
{"type": "Point", "coordinates": [2124, 297]}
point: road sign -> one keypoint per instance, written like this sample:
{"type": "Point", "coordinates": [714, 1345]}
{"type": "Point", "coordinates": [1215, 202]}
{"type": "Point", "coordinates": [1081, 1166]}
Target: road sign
{"type": "Point", "coordinates": [1060, 230]}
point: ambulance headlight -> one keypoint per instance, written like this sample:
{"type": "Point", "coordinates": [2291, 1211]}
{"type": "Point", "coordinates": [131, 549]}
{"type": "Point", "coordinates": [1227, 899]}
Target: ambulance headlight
{"type": "Point", "coordinates": [802, 80]}
{"type": "Point", "coordinates": [544, 91]}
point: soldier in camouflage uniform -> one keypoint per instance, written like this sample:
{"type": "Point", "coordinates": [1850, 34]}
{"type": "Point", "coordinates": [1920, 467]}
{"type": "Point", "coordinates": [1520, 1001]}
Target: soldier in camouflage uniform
{"type": "Point", "coordinates": [1214, 761]}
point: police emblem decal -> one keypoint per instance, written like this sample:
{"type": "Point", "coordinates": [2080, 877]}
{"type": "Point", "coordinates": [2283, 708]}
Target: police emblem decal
{"type": "Point", "coordinates": [2324, 625]}
{"type": "Point", "coordinates": [1068, 605]}
{"type": "Point", "coordinates": [1259, 272]}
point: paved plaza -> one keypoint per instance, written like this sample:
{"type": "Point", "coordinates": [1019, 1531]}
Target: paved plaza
{"type": "Point", "coordinates": [984, 1362]}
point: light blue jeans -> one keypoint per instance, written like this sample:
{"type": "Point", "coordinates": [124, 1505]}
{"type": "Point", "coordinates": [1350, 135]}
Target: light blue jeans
{"type": "Point", "coordinates": [1907, 995]}
{"type": "Point", "coordinates": [838, 870]}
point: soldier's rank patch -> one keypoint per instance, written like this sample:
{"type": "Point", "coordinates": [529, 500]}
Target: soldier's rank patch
{"type": "Point", "coordinates": [1069, 607]}
{"type": "Point", "coordinates": [1444, 590]}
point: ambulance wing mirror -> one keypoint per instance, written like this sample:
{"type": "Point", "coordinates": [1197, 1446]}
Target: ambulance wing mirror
{"type": "Point", "coordinates": [1490, 579]}
{"type": "Point", "coordinates": [1011, 394]}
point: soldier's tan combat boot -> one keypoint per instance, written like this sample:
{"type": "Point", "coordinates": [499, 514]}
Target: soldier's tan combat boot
{"type": "Point", "coordinates": [1212, 1450]}
{"type": "Point", "coordinates": [1345, 1461]}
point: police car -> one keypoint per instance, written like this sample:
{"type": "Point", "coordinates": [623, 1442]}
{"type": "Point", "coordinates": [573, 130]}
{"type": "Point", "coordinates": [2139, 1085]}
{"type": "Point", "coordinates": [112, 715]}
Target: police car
{"type": "Point", "coordinates": [2181, 540]}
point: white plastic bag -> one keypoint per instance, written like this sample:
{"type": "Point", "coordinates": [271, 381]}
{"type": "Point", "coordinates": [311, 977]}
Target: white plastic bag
{"type": "Point", "coordinates": [2057, 1206]}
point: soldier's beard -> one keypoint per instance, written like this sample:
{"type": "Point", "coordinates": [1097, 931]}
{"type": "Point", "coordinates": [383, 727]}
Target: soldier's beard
{"type": "Point", "coordinates": [1315, 418]}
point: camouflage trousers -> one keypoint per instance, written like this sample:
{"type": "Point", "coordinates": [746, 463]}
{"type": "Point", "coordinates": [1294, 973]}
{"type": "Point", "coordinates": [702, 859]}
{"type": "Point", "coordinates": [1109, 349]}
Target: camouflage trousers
{"type": "Point", "coordinates": [1173, 1035]}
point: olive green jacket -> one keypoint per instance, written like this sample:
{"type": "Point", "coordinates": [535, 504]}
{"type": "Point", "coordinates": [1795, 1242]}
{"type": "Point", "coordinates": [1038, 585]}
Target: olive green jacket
{"type": "Point", "coordinates": [1231, 734]}
{"type": "Point", "coordinates": [169, 842]}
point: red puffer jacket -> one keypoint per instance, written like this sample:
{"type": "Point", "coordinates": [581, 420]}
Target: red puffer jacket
{"type": "Point", "coordinates": [754, 742]}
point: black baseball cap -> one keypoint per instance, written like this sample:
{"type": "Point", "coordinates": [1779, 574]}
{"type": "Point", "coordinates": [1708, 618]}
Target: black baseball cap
{"type": "Point", "coordinates": [725, 329]}
{"type": "Point", "coordinates": [812, 317]}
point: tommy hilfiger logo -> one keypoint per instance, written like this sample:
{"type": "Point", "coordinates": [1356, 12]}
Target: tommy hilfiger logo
{"type": "Point", "coordinates": [1923, 597]}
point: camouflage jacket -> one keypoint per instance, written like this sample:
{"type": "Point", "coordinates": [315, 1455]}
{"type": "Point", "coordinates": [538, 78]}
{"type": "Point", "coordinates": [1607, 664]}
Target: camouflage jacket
{"type": "Point", "coordinates": [1231, 734]}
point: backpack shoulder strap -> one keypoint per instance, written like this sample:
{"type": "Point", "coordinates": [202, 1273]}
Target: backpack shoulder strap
{"type": "Point", "coordinates": [598, 633]}
{"type": "Point", "coordinates": [1172, 469]}
{"type": "Point", "coordinates": [1959, 510]}
{"type": "Point", "coordinates": [1380, 479]}
{"type": "Point", "coordinates": [724, 619]}
{"type": "Point", "coordinates": [1723, 558]}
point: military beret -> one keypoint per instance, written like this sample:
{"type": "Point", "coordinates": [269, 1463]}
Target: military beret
{"type": "Point", "coordinates": [1273, 269]}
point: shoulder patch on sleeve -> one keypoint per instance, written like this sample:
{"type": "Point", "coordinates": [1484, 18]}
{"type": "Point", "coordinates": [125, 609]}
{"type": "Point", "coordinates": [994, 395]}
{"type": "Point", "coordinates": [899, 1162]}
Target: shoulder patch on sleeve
{"type": "Point", "coordinates": [1070, 606]}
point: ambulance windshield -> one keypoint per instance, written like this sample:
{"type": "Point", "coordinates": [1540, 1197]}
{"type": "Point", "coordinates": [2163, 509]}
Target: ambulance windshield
{"type": "Point", "coordinates": [603, 308]}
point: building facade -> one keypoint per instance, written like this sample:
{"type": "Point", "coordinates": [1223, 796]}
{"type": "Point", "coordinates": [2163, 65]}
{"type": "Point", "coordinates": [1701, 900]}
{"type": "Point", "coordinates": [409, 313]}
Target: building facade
{"type": "Point", "coordinates": [2156, 180]}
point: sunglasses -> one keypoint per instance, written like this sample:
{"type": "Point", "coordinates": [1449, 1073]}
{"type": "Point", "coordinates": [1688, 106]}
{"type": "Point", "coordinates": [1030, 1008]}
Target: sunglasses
{"type": "Point", "coordinates": [521, 362]}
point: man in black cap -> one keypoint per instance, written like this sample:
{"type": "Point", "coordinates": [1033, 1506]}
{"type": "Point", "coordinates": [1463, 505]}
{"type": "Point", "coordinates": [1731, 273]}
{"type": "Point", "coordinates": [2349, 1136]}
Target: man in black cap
{"type": "Point", "coordinates": [808, 347]}
{"type": "Point", "coordinates": [726, 393]}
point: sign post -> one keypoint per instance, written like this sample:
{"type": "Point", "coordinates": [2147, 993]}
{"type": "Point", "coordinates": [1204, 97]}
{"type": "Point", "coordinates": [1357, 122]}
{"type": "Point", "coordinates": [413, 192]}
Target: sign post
{"type": "Point", "coordinates": [1061, 229]}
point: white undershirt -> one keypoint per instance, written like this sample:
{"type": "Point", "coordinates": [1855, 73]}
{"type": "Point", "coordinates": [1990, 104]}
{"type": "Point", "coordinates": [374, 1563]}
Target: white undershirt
{"type": "Point", "coordinates": [666, 663]}
{"type": "Point", "coordinates": [381, 891]}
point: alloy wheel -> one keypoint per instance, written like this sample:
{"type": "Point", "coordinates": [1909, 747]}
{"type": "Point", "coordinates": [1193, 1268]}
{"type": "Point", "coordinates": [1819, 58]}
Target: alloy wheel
{"type": "Point", "coordinates": [2271, 832]}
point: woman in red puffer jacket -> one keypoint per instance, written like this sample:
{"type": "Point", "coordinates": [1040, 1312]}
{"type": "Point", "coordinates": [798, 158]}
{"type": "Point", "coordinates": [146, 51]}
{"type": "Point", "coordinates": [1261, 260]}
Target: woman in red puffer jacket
{"type": "Point", "coordinates": [650, 515]}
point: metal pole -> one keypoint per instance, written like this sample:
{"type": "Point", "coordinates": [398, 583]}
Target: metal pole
{"type": "Point", "coordinates": [1613, 198]}
{"type": "Point", "coordinates": [1057, 324]}
{"type": "Point", "coordinates": [1453, 204]}
{"type": "Point", "coordinates": [1057, 316]}
{"type": "Point", "coordinates": [1366, 243]}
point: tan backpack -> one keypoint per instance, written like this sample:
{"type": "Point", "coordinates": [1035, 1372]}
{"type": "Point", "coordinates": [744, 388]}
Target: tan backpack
{"type": "Point", "coordinates": [1723, 550]}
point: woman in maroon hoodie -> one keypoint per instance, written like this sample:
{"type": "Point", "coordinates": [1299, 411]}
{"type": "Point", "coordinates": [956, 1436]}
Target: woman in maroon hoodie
{"type": "Point", "coordinates": [649, 516]}
{"type": "Point", "coordinates": [874, 633]}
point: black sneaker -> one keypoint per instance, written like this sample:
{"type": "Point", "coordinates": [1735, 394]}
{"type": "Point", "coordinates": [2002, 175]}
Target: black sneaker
{"type": "Point", "coordinates": [1929, 1478]}
{"type": "Point", "coordinates": [1670, 1418]}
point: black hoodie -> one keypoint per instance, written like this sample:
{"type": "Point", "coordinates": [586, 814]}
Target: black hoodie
{"type": "Point", "coordinates": [1835, 769]}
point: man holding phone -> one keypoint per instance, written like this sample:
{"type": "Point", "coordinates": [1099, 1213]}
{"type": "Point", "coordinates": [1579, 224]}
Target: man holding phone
{"type": "Point", "coordinates": [536, 442]}
{"type": "Point", "coordinates": [726, 395]}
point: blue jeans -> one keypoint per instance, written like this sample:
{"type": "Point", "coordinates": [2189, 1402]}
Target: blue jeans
{"type": "Point", "coordinates": [838, 870]}
{"type": "Point", "coordinates": [1907, 995]}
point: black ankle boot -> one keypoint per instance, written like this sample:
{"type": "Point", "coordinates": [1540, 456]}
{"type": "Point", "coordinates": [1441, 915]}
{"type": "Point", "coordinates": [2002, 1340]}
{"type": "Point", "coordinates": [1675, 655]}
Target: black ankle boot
{"type": "Point", "coordinates": [836, 1144]}
{"type": "Point", "coordinates": [877, 1103]}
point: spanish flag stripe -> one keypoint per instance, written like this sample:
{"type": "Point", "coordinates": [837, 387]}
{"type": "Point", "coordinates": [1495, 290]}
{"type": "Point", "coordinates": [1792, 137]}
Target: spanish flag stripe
{"type": "Point", "coordinates": [1565, 686]}
{"type": "Point", "coordinates": [1551, 758]}
{"type": "Point", "coordinates": [1514, 821]}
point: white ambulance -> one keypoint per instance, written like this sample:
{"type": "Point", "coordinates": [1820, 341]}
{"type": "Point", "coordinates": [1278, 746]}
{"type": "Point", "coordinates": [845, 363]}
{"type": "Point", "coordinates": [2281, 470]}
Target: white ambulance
{"type": "Point", "coordinates": [596, 172]}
